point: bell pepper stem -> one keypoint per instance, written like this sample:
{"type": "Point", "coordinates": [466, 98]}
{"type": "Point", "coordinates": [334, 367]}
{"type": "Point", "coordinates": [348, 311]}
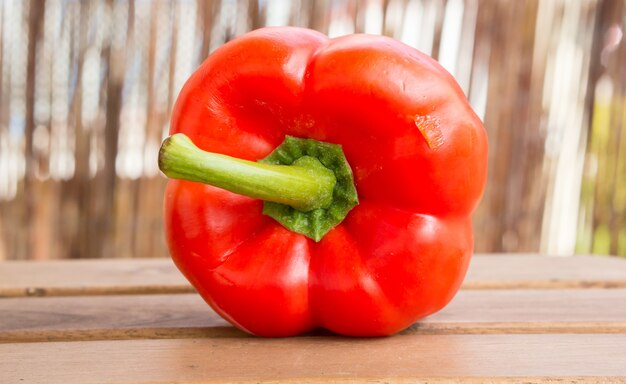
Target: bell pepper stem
{"type": "Point", "coordinates": [304, 185]}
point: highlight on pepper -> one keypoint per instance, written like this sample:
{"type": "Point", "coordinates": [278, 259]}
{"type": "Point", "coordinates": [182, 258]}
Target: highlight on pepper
{"type": "Point", "coordinates": [322, 183]}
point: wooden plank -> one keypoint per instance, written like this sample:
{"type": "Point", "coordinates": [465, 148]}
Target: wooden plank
{"type": "Point", "coordinates": [317, 359]}
{"type": "Point", "coordinates": [91, 277]}
{"type": "Point", "coordinates": [150, 276]}
{"type": "Point", "coordinates": [532, 271]}
{"type": "Point", "coordinates": [109, 317]}
{"type": "Point", "coordinates": [530, 311]}
{"type": "Point", "coordinates": [187, 316]}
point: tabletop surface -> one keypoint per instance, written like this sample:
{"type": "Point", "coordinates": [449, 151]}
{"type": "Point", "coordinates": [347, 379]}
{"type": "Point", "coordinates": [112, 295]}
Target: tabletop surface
{"type": "Point", "coordinates": [518, 318]}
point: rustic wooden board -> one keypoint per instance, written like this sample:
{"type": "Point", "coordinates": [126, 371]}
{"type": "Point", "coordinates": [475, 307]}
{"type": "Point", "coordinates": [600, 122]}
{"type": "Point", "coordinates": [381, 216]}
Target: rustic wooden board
{"type": "Point", "coordinates": [520, 318]}
{"type": "Point", "coordinates": [186, 315]}
{"type": "Point", "coordinates": [314, 359]}
{"type": "Point", "coordinates": [531, 271]}
{"type": "Point", "coordinates": [141, 276]}
{"type": "Point", "coordinates": [90, 277]}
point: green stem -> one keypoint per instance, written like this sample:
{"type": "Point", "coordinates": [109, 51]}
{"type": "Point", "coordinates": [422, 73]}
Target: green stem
{"type": "Point", "coordinates": [305, 185]}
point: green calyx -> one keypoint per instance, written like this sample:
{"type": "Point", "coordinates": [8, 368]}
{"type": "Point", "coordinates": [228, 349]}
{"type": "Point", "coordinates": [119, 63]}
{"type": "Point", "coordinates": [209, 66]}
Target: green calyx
{"type": "Point", "coordinates": [317, 222]}
{"type": "Point", "coordinates": [306, 185]}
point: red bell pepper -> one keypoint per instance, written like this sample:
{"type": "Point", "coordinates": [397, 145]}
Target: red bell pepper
{"type": "Point", "coordinates": [366, 225]}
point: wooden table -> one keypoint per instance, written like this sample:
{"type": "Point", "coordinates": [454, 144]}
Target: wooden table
{"type": "Point", "coordinates": [518, 318]}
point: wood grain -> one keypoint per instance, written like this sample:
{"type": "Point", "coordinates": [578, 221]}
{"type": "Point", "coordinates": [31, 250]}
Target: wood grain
{"type": "Point", "coordinates": [532, 271]}
{"type": "Point", "coordinates": [154, 276]}
{"type": "Point", "coordinates": [109, 318]}
{"type": "Point", "coordinates": [316, 359]}
{"type": "Point", "coordinates": [187, 316]}
{"type": "Point", "coordinates": [519, 318]}
{"type": "Point", "coordinates": [91, 277]}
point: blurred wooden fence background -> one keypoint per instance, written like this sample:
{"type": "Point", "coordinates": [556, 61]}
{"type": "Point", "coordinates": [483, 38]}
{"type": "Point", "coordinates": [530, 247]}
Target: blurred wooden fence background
{"type": "Point", "coordinates": [86, 89]}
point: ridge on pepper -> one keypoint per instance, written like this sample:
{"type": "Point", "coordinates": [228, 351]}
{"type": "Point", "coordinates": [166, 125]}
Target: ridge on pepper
{"type": "Point", "coordinates": [361, 228]}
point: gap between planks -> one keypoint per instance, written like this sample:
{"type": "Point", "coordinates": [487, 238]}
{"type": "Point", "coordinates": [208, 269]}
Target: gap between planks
{"type": "Point", "coordinates": [231, 332]}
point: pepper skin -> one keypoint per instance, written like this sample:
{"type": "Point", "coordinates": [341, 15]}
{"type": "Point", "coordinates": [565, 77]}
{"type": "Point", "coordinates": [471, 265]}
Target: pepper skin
{"type": "Point", "coordinates": [418, 154]}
